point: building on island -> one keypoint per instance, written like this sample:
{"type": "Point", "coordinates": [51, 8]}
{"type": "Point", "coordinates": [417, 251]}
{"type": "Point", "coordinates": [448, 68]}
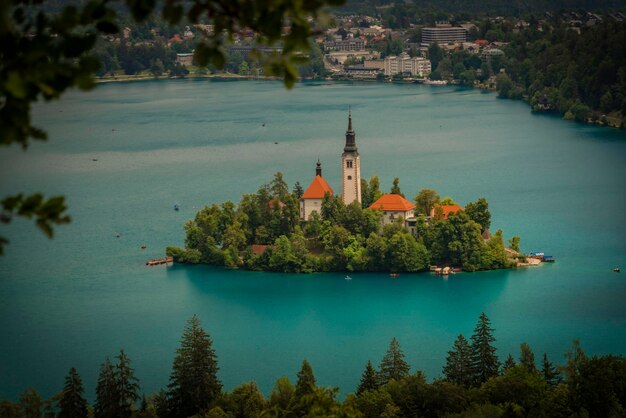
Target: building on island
{"type": "Point", "coordinates": [311, 199]}
{"type": "Point", "coordinates": [394, 206]}
{"type": "Point", "coordinates": [443, 211]}
{"type": "Point", "coordinates": [351, 168]}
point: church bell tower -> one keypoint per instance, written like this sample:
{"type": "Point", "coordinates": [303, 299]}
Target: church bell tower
{"type": "Point", "coordinates": [351, 167]}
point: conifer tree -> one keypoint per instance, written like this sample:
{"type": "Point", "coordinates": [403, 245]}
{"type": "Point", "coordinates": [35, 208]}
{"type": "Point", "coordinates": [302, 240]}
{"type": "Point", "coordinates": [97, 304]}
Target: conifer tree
{"type": "Point", "coordinates": [549, 371]}
{"type": "Point", "coordinates": [369, 379]}
{"type": "Point", "coordinates": [393, 365]}
{"type": "Point", "coordinates": [72, 403]}
{"type": "Point", "coordinates": [509, 363]}
{"type": "Point", "coordinates": [306, 380]}
{"type": "Point", "coordinates": [527, 358]}
{"type": "Point", "coordinates": [194, 385]}
{"type": "Point", "coordinates": [485, 363]}
{"type": "Point", "coordinates": [126, 386]}
{"type": "Point", "coordinates": [458, 368]}
{"type": "Point", "coordinates": [105, 392]}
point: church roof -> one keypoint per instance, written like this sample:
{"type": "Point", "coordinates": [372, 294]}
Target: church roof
{"type": "Point", "coordinates": [392, 202]}
{"type": "Point", "coordinates": [317, 189]}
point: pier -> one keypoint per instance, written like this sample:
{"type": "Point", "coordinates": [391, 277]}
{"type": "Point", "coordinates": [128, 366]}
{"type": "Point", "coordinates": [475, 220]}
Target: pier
{"type": "Point", "coordinates": [158, 261]}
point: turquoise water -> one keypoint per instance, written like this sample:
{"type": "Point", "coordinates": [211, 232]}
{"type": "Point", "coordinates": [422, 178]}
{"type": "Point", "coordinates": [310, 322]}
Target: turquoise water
{"type": "Point", "coordinates": [73, 301]}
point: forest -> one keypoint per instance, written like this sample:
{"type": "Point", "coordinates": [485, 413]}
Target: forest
{"type": "Point", "coordinates": [473, 383]}
{"type": "Point", "coordinates": [340, 237]}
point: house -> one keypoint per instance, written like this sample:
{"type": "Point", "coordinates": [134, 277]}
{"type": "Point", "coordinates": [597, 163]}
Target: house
{"type": "Point", "coordinates": [393, 206]}
{"type": "Point", "coordinates": [443, 211]}
{"type": "Point", "coordinates": [311, 199]}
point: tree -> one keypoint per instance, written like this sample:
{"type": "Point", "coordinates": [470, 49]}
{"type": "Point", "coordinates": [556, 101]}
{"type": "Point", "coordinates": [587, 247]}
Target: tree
{"type": "Point", "coordinates": [509, 363]}
{"type": "Point", "coordinates": [549, 371]}
{"type": "Point", "coordinates": [458, 368]}
{"type": "Point", "coordinates": [306, 380]}
{"type": "Point", "coordinates": [105, 392]}
{"type": "Point", "coordinates": [245, 401]}
{"type": "Point", "coordinates": [43, 55]}
{"type": "Point", "coordinates": [281, 398]}
{"type": "Point", "coordinates": [527, 358]}
{"type": "Point", "coordinates": [298, 191]}
{"type": "Point", "coordinates": [395, 188]}
{"type": "Point", "coordinates": [514, 243]}
{"type": "Point", "coordinates": [31, 404]}
{"type": "Point", "coordinates": [126, 387]}
{"type": "Point", "coordinates": [393, 366]}
{"type": "Point", "coordinates": [425, 201]}
{"type": "Point", "coordinates": [575, 358]}
{"type": "Point", "coordinates": [194, 385]}
{"type": "Point", "coordinates": [485, 363]}
{"type": "Point", "coordinates": [72, 403]}
{"type": "Point", "coordinates": [479, 212]}
{"type": "Point", "coordinates": [369, 379]}
{"type": "Point", "coordinates": [435, 54]}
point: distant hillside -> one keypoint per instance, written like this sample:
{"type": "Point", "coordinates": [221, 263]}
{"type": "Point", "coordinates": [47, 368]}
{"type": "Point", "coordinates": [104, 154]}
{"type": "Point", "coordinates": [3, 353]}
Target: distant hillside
{"type": "Point", "coordinates": [491, 7]}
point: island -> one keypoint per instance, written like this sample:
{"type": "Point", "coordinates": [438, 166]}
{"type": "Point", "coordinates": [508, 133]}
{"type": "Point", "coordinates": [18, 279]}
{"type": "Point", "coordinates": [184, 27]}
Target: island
{"type": "Point", "coordinates": [363, 229]}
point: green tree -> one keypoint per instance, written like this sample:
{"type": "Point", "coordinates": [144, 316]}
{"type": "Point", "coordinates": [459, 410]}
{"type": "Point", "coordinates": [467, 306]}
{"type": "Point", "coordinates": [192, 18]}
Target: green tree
{"type": "Point", "coordinates": [509, 363]}
{"type": "Point", "coordinates": [245, 401]}
{"type": "Point", "coordinates": [126, 387]}
{"type": "Point", "coordinates": [370, 191]}
{"type": "Point", "coordinates": [485, 363]}
{"type": "Point", "coordinates": [425, 201]}
{"type": "Point", "coordinates": [393, 366]}
{"type": "Point", "coordinates": [458, 368]}
{"type": "Point", "coordinates": [31, 404]}
{"type": "Point", "coordinates": [194, 385]}
{"type": "Point", "coordinates": [435, 54]}
{"type": "Point", "coordinates": [404, 253]}
{"type": "Point", "coordinates": [298, 191]}
{"type": "Point", "coordinates": [527, 358]}
{"type": "Point", "coordinates": [479, 212]}
{"type": "Point", "coordinates": [549, 371]}
{"type": "Point", "coordinates": [281, 399]}
{"type": "Point", "coordinates": [395, 187]}
{"type": "Point", "coordinates": [369, 379]}
{"type": "Point", "coordinates": [575, 358]}
{"type": "Point", "coordinates": [306, 381]}
{"type": "Point", "coordinates": [72, 403]}
{"type": "Point", "coordinates": [106, 402]}
{"type": "Point", "coordinates": [514, 243]}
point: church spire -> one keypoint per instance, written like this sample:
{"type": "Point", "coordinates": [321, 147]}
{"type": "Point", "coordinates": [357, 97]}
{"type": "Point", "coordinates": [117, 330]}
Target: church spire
{"type": "Point", "coordinates": [350, 136]}
{"type": "Point", "coordinates": [318, 168]}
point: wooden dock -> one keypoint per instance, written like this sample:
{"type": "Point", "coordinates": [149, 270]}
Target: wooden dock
{"type": "Point", "coordinates": [158, 261]}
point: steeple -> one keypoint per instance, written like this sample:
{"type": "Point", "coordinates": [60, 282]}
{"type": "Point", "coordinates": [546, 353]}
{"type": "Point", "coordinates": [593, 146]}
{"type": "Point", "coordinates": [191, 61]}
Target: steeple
{"type": "Point", "coordinates": [318, 168]}
{"type": "Point", "coordinates": [350, 136]}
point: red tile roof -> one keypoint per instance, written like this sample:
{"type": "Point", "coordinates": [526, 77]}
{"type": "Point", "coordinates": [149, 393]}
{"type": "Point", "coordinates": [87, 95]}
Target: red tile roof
{"type": "Point", "coordinates": [258, 249]}
{"type": "Point", "coordinates": [447, 210]}
{"type": "Point", "coordinates": [392, 202]}
{"type": "Point", "coordinates": [317, 189]}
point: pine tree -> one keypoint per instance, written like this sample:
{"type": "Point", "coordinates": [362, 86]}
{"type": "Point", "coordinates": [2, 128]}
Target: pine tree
{"type": "Point", "coordinates": [485, 363]}
{"type": "Point", "coordinates": [369, 379]}
{"type": "Point", "coordinates": [458, 368]}
{"type": "Point", "coordinates": [194, 385]}
{"type": "Point", "coordinates": [549, 372]}
{"type": "Point", "coordinates": [306, 380]}
{"type": "Point", "coordinates": [72, 403]}
{"type": "Point", "coordinates": [105, 392]}
{"type": "Point", "coordinates": [126, 386]}
{"type": "Point", "coordinates": [393, 365]}
{"type": "Point", "coordinates": [527, 358]}
{"type": "Point", "coordinates": [509, 363]}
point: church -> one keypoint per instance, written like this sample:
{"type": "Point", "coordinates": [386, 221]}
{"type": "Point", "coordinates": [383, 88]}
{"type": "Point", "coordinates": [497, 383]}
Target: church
{"type": "Point", "coordinates": [311, 200]}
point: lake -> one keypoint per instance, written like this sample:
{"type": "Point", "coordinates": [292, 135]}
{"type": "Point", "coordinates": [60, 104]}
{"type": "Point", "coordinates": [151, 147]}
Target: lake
{"type": "Point", "coordinates": [79, 298]}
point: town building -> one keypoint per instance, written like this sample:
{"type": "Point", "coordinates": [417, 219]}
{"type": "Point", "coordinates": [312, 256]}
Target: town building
{"type": "Point", "coordinates": [185, 59]}
{"type": "Point", "coordinates": [394, 207]}
{"type": "Point", "coordinates": [440, 212]}
{"type": "Point", "coordinates": [404, 64]}
{"type": "Point", "coordinates": [347, 45]}
{"type": "Point", "coordinates": [443, 34]}
{"type": "Point", "coordinates": [311, 199]}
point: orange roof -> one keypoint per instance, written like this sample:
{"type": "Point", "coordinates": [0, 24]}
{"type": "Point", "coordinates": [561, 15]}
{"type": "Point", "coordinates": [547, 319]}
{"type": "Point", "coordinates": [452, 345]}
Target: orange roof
{"type": "Point", "coordinates": [392, 202]}
{"type": "Point", "coordinates": [447, 210]}
{"type": "Point", "coordinates": [317, 189]}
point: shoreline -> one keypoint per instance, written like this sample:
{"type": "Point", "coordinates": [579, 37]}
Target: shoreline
{"type": "Point", "coordinates": [238, 77]}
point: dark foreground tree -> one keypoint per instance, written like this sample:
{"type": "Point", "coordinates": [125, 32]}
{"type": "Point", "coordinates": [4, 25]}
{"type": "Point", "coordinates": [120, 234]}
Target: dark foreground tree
{"type": "Point", "coordinates": [194, 385]}
{"type": "Point", "coordinates": [509, 363]}
{"type": "Point", "coordinates": [306, 380]}
{"type": "Point", "coordinates": [549, 371]}
{"type": "Point", "coordinates": [126, 387]}
{"type": "Point", "coordinates": [458, 368]}
{"type": "Point", "coordinates": [527, 358]}
{"type": "Point", "coordinates": [393, 366]}
{"type": "Point", "coordinates": [105, 392]}
{"type": "Point", "coordinates": [72, 403]}
{"type": "Point", "coordinates": [369, 379]}
{"type": "Point", "coordinates": [485, 363]}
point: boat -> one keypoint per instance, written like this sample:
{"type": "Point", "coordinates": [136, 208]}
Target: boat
{"type": "Point", "coordinates": [616, 270]}
{"type": "Point", "coordinates": [176, 208]}
{"type": "Point", "coordinates": [348, 278]}
{"type": "Point", "coordinates": [548, 259]}
{"type": "Point", "coordinates": [393, 275]}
